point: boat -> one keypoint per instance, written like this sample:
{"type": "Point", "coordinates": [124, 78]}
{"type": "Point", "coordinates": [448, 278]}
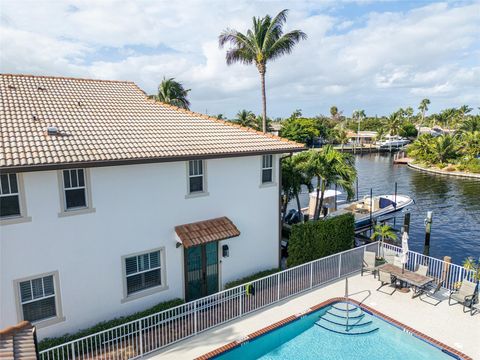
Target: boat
{"type": "Point", "coordinates": [393, 142]}
{"type": "Point", "coordinates": [370, 209]}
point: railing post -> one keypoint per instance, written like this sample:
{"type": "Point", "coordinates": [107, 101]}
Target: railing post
{"type": "Point", "coordinates": [240, 313]}
{"type": "Point", "coordinates": [339, 265]}
{"type": "Point", "coordinates": [140, 331]}
{"type": "Point", "coordinates": [73, 350]}
{"type": "Point", "coordinates": [311, 275]}
{"type": "Point", "coordinates": [195, 317]}
{"type": "Point", "coordinates": [278, 286]}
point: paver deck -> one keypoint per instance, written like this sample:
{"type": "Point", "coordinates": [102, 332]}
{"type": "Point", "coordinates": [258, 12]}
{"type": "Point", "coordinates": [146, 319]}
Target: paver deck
{"type": "Point", "coordinates": [447, 324]}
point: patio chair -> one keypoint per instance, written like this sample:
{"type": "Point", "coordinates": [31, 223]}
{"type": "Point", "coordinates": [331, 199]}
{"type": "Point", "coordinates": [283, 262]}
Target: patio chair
{"type": "Point", "coordinates": [466, 294]}
{"type": "Point", "coordinates": [385, 279]}
{"type": "Point", "coordinates": [369, 262]}
{"type": "Point", "coordinates": [422, 270]}
{"type": "Point", "coordinates": [397, 261]}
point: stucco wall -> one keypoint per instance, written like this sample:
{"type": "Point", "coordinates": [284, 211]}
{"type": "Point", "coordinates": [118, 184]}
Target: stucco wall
{"type": "Point", "coordinates": [136, 209]}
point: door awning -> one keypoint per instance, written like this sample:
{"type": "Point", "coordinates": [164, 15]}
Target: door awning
{"type": "Point", "coordinates": [206, 231]}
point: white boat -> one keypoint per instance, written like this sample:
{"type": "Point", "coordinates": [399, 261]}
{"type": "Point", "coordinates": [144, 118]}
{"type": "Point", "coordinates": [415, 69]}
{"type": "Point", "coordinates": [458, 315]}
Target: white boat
{"type": "Point", "coordinates": [367, 209]}
{"type": "Point", "coordinates": [393, 142]}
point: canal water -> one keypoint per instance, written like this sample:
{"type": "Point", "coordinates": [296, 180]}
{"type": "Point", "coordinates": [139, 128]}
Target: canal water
{"type": "Point", "coordinates": [455, 203]}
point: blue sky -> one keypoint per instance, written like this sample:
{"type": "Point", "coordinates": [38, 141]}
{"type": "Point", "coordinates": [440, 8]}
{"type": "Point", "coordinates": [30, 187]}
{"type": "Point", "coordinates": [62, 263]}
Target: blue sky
{"type": "Point", "coordinates": [372, 55]}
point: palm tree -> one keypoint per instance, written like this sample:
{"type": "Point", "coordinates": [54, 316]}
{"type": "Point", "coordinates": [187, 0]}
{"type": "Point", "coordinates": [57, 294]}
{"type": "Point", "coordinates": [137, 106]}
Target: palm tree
{"type": "Point", "coordinates": [293, 178]}
{"type": "Point", "coordinates": [383, 232]}
{"type": "Point", "coordinates": [264, 42]}
{"type": "Point", "coordinates": [463, 110]}
{"type": "Point", "coordinates": [423, 107]}
{"type": "Point", "coordinates": [393, 123]}
{"type": "Point", "coordinates": [334, 113]}
{"type": "Point", "coordinates": [420, 148]}
{"type": "Point", "coordinates": [470, 144]}
{"type": "Point", "coordinates": [329, 167]}
{"type": "Point", "coordinates": [359, 115]}
{"type": "Point", "coordinates": [245, 118]}
{"type": "Point", "coordinates": [172, 92]}
{"type": "Point", "coordinates": [341, 137]}
{"type": "Point", "coordinates": [442, 149]}
{"type": "Point", "coordinates": [471, 124]}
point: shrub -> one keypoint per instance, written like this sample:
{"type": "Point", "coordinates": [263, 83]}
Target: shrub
{"type": "Point", "coordinates": [251, 278]}
{"type": "Point", "coordinates": [105, 325]}
{"type": "Point", "coordinates": [315, 239]}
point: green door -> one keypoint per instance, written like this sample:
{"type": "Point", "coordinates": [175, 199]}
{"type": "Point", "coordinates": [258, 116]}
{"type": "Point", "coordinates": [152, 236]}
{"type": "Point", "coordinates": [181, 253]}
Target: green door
{"type": "Point", "coordinates": [201, 270]}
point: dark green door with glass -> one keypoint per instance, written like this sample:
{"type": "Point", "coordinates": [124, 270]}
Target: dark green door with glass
{"type": "Point", "coordinates": [201, 270]}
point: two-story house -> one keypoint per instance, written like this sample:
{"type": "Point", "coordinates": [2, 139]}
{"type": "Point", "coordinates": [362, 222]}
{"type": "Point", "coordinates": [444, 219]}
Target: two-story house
{"type": "Point", "coordinates": [111, 202]}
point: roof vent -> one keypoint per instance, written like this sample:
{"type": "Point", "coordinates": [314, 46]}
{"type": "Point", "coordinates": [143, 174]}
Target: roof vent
{"type": "Point", "coordinates": [79, 103]}
{"type": "Point", "coordinates": [41, 88]}
{"type": "Point", "coordinates": [11, 86]}
{"type": "Point", "coordinates": [52, 130]}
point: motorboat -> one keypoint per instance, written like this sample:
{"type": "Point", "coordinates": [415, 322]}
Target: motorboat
{"type": "Point", "coordinates": [393, 142]}
{"type": "Point", "coordinates": [371, 208]}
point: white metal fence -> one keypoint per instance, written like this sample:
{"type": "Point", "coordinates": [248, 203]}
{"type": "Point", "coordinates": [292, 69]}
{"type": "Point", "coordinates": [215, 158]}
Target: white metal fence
{"type": "Point", "coordinates": [447, 274]}
{"type": "Point", "coordinates": [151, 333]}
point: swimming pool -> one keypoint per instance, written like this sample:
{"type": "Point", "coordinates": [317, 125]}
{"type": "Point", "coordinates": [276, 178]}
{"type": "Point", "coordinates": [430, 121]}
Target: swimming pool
{"type": "Point", "coordinates": [305, 338]}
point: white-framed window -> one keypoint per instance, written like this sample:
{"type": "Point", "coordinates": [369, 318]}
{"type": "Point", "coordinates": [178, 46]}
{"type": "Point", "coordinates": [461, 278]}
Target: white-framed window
{"type": "Point", "coordinates": [267, 169]}
{"type": "Point", "coordinates": [75, 189]}
{"type": "Point", "coordinates": [38, 299]}
{"type": "Point", "coordinates": [196, 176]}
{"type": "Point", "coordinates": [9, 196]}
{"type": "Point", "coordinates": [143, 271]}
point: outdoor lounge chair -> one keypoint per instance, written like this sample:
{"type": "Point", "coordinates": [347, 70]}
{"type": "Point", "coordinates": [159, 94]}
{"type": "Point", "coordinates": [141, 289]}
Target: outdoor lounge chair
{"type": "Point", "coordinates": [422, 270]}
{"type": "Point", "coordinates": [385, 279]}
{"type": "Point", "coordinates": [369, 262]}
{"type": "Point", "coordinates": [466, 294]}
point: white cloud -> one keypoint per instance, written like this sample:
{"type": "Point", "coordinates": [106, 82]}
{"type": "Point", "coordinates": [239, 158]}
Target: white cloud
{"type": "Point", "coordinates": [390, 60]}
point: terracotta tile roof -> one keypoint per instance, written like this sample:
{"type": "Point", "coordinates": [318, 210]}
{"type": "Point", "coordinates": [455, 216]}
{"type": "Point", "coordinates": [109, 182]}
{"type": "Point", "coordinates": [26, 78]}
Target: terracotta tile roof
{"type": "Point", "coordinates": [18, 342]}
{"type": "Point", "coordinates": [206, 231]}
{"type": "Point", "coordinates": [102, 122]}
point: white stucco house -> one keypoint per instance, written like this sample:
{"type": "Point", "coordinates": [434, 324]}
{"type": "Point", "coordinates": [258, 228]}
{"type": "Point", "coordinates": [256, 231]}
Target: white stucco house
{"type": "Point", "coordinates": [111, 203]}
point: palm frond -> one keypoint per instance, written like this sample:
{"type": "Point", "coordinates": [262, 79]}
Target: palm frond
{"type": "Point", "coordinates": [285, 44]}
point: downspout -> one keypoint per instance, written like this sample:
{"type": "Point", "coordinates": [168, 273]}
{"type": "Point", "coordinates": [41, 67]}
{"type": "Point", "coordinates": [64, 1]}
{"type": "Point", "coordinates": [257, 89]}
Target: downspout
{"type": "Point", "coordinates": [280, 222]}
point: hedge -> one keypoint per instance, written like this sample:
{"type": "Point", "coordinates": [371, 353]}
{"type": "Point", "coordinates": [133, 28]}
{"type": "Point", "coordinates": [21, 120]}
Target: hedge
{"type": "Point", "coordinates": [105, 325]}
{"type": "Point", "coordinates": [315, 239]}
{"type": "Point", "coordinates": [251, 278]}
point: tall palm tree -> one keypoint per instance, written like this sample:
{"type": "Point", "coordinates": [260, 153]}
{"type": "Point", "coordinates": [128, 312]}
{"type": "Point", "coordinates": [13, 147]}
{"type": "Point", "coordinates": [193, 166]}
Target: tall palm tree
{"type": "Point", "coordinates": [264, 42]}
{"type": "Point", "coordinates": [423, 107]}
{"type": "Point", "coordinates": [329, 167]}
{"type": "Point", "coordinates": [172, 92]}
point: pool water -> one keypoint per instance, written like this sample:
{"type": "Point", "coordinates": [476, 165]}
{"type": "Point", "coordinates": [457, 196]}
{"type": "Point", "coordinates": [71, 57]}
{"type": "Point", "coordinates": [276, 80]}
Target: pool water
{"type": "Point", "coordinates": [303, 339]}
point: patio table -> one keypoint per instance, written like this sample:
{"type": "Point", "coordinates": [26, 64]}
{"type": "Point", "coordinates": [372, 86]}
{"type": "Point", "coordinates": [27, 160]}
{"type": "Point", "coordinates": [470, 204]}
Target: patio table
{"type": "Point", "coordinates": [417, 281]}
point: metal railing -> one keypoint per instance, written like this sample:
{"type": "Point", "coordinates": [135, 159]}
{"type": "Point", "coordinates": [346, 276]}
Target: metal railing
{"type": "Point", "coordinates": [447, 274]}
{"type": "Point", "coordinates": [140, 337]}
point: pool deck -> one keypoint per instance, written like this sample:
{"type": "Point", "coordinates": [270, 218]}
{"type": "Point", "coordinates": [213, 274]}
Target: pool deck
{"type": "Point", "coordinates": [447, 324]}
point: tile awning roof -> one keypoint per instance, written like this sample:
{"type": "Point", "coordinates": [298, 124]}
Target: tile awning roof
{"type": "Point", "coordinates": [206, 231]}
{"type": "Point", "coordinates": [18, 342]}
{"type": "Point", "coordinates": [103, 122]}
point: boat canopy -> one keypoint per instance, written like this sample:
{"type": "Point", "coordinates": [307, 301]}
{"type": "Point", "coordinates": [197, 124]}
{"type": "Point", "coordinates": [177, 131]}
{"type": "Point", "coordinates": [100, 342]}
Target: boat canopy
{"type": "Point", "coordinates": [328, 193]}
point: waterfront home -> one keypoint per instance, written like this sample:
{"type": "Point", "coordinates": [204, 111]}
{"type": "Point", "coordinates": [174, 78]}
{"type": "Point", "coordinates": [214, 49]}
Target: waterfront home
{"type": "Point", "coordinates": [112, 202]}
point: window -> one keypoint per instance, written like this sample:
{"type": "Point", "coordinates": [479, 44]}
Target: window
{"type": "Point", "coordinates": [267, 169]}
{"type": "Point", "coordinates": [75, 189]}
{"type": "Point", "coordinates": [9, 196]}
{"type": "Point", "coordinates": [143, 271]}
{"type": "Point", "coordinates": [37, 298]}
{"type": "Point", "coordinates": [195, 176]}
